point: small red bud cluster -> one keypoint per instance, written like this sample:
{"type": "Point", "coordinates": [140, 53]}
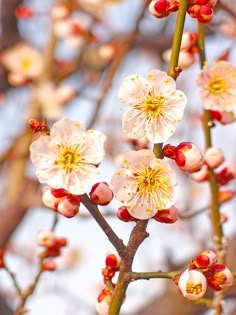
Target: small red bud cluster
{"type": "Point", "coordinates": [202, 10]}
{"type": "Point", "coordinates": [38, 126]}
{"type": "Point", "coordinates": [62, 201]}
{"type": "Point", "coordinates": [112, 263]}
{"type": "Point", "coordinates": [101, 194]}
{"type": "Point", "coordinates": [52, 245]}
{"type": "Point", "coordinates": [203, 271]}
{"type": "Point", "coordinates": [186, 155]}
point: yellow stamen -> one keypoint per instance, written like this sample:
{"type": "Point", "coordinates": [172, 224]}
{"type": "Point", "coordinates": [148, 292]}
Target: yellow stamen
{"type": "Point", "coordinates": [194, 288]}
{"type": "Point", "coordinates": [217, 86]}
{"type": "Point", "coordinates": [68, 158]}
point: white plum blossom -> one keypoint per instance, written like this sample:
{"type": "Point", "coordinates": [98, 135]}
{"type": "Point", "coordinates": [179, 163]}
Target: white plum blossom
{"type": "Point", "coordinates": [145, 184]}
{"type": "Point", "coordinates": [68, 157]}
{"type": "Point", "coordinates": [154, 106]}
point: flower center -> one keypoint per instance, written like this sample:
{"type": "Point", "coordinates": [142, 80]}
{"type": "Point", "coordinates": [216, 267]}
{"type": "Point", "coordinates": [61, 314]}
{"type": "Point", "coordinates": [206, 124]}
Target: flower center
{"type": "Point", "coordinates": [151, 180]}
{"type": "Point", "coordinates": [217, 86]}
{"type": "Point", "coordinates": [153, 104]}
{"type": "Point", "coordinates": [26, 63]}
{"type": "Point", "coordinates": [193, 288]}
{"type": "Point", "coordinates": [68, 158]}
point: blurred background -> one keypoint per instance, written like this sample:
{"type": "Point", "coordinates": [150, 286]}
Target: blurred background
{"type": "Point", "coordinates": [68, 59]}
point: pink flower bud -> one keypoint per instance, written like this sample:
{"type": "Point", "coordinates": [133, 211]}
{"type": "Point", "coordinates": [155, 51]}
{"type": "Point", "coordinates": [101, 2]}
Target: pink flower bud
{"type": "Point", "coordinates": [49, 265]}
{"type": "Point", "coordinates": [49, 200]}
{"type": "Point", "coordinates": [213, 157]}
{"type": "Point", "coordinates": [67, 208]}
{"type": "Point", "coordinates": [167, 215]}
{"type": "Point", "coordinates": [58, 192]}
{"type": "Point", "coordinates": [188, 40]}
{"type": "Point", "coordinates": [101, 194]}
{"type": "Point", "coordinates": [223, 117]}
{"type": "Point", "coordinates": [103, 302]}
{"type": "Point", "coordinates": [219, 277]}
{"type": "Point", "coordinates": [113, 260]}
{"type": "Point", "coordinates": [193, 10]}
{"type": "Point", "coordinates": [186, 59]}
{"type": "Point", "coordinates": [124, 215]}
{"type": "Point", "coordinates": [205, 14]}
{"type": "Point", "coordinates": [46, 238]}
{"type": "Point", "coordinates": [206, 258]}
{"type": "Point", "coordinates": [192, 284]}
{"type": "Point", "coordinates": [201, 175]}
{"type": "Point", "coordinates": [159, 8]}
{"type": "Point", "coordinates": [188, 157]}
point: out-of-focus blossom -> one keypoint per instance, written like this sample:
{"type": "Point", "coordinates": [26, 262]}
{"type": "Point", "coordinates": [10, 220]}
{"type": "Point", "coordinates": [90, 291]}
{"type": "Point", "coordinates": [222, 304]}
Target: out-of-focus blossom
{"type": "Point", "coordinates": [23, 60]}
{"type": "Point", "coordinates": [155, 106]}
{"type": "Point", "coordinates": [73, 30]}
{"type": "Point", "coordinates": [60, 11]}
{"type": "Point", "coordinates": [192, 284]}
{"type": "Point", "coordinates": [69, 156]}
{"type": "Point", "coordinates": [96, 7]}
{"type": "Point", "coordinates": [213, 157]}
{"type": "Point", "coordinates": [217, 86]}
{"type": "Point", "coordinates": [228, 27]}
{"type": "Point", "coordinates": [52, 99]}
{"type": "Point", "coordinates": [46, 238]}
{"type": "Point", "coordinates": [144, 184]}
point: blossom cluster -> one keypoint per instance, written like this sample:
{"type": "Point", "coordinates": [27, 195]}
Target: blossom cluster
{"type": "Point", "coordinates": [202, 10]}
{"type": "Point", "coordinates": [203, 271]}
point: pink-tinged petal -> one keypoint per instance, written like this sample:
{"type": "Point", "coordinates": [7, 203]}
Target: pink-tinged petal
{"type": "Point", "coordinates": [160, 81]}
{"type": "Point", "coordinates": [133, 124]}
{"type": "Point", "coordinates": [133, 90]}
{"type": "Point", "coordinates": [65, 127]}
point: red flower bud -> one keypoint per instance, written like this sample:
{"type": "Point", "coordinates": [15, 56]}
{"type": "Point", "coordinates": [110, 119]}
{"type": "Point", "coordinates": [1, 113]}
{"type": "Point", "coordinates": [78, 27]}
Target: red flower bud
{"type": "Point", "coordinates": [113, 260]}
{"type": "Point", "coordinates": [167, 215]}
{"type": "Point", "coordinates": [206, 258]}
{"type": "Point", "coordinates": [205, 14]}
{"type": "Point", "coordinates": [188, 157]}
{"type": "Point", "coordinates": [159, 8]}
{"type": "Point", "coordinates": [124, 215]}
{"type": "Point", "coordinates": [219, 277]}
{"type": "Point", "coordinates": [101, 194]}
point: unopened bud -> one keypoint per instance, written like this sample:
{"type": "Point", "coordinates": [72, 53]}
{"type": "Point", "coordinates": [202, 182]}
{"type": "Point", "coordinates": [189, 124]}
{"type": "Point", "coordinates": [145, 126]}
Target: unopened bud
{"type": "Point", "coordinates": [167, 215]}
{"type": "Point", "coordinates": [213, 157]}
{"type": "Point", "coordinates": [188, 157]}
{"type": "Point", "coordinates": [124, 215]}
{"type": "Point", "coordinates": [225, 195]}
{"type": "Point", "coordinates": [67, 208]}
{"type": "Point", "coordinates": [201, 175]}
{"type": "Point", "coordinates": [48, 199]}
{"type": "Point", "coordinates": [49, 265]}
{"type": "Point", "coordinates": [205, 14]}
{"type": "Point", "coordinates": [113, 259]}
{"type": "Point", "coordinates": [101, 194]}
{"type": "Point", "coordinates": [46, 238]}
{"type": "Point", "coordinates": [206, 258]}
{"type": "Point", "coordinates": [159, 8]}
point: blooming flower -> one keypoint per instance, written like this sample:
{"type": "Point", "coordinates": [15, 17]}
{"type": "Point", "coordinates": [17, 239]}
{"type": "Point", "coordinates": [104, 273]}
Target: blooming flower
{"type": "Point", "coordinates": [68, 157]}
{"type": "Point", "coordinates": [23, 60]}
{"type": "Point", "coordinates": [192, 284]}
{"type": "Point", "coordinates": [144, 184]}
{"type": "Point", "coordinates": [155, 106]}
{"type": "Point", "coordinates": [218, 85]}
